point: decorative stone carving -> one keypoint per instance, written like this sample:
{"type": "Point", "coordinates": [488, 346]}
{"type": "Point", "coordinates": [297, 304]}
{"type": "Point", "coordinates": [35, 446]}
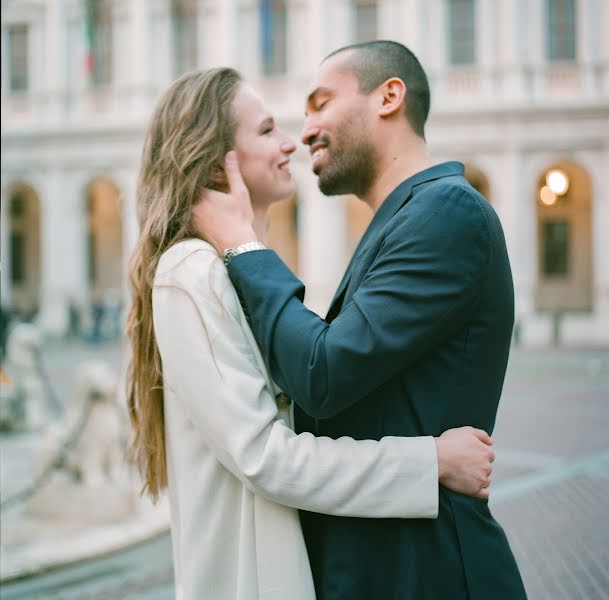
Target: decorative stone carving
{"type": "Point", "coordinates": [90, 482]}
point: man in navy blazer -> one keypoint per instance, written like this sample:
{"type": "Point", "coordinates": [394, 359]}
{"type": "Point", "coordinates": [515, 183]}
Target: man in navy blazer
{"type": "Point", "coordinates": [416, 340]}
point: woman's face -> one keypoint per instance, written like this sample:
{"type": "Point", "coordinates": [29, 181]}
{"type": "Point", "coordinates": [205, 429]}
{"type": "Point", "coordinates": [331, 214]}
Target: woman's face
{"type": "Point", "coordinates": [262, 149]}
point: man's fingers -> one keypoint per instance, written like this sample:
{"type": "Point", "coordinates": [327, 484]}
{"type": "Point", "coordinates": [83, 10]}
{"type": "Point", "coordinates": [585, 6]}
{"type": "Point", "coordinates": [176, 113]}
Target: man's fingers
{"type": "Point", "coordinates": [483, 436]}
{"type": "Point", "coordinates": [233, 174]}
{"type": "Point", "coordinates": [208, 194]}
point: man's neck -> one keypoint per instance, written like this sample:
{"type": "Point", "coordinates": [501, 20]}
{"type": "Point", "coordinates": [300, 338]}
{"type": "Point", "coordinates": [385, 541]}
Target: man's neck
{"type": "Point", "coordinates": [395, 166]}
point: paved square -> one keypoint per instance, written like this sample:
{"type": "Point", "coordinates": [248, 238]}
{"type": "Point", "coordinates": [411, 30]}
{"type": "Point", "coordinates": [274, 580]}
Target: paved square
{"type": "Point", "coordinates": [550, 485]}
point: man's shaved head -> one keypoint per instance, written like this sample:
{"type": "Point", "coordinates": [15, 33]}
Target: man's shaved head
{"type": "Point", "coordinates": [375, 62]}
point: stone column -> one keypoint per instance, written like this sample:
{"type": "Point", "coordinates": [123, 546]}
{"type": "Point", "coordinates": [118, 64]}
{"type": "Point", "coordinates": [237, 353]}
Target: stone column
{"type": "Point", "coordinates": [123, 45]}
{"type": "Point", "coordinates": [513, 188]}
{"type": "Point", "coordinates": [160, 45]}
{"type": "Point", "coordinates": [139, 43]}
{"type": "Point", "coordinates": [340, 22]}
{"type": "Point", "coordinates": [602, 23]}
{"type": "Point", "coordinates": [222, 24]}
{"type": "Point", "coordinates": [389, 20]}
{"type": "Point", "coordinates": [130, 228]}
{"type": "Point", "coordinates": [5, 228]}
{"type": "Point", "coordinates": [511, 35]}
{"type": "Point", "coordinates": [411, 25]}
{"type": "Point", "coordinates": [600, 243]}
{"type": "Point", "coordinates": [299, 53]}
{"type": "Point", "coordinates": [485, 28]}
{"type": "Point", "coordinates": [434, 47]}
{"type": "Point", "coordinates": [248, 57]}
{"type": "Point", "coordinates": [537, 33]}
{"type": "Point", "coordinates": [322, 240]}
{"type": "Point", "coordinates": [586, 43]}
{"type": "Point", "coordinates": [318, 27]}
{"type": "Point", "coordinates": [63, 250]}
{"type": "Point", "coordinates": [56, 50]}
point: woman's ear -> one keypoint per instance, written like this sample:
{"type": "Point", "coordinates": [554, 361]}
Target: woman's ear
{"type": "Point", "coordinates": [218, 179]}
{"type": "Point", "coordinates": [218, 176]}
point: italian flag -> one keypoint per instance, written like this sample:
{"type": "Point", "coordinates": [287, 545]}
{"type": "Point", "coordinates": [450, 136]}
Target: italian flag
{"type": "Point", "coordinates": [89, 65]}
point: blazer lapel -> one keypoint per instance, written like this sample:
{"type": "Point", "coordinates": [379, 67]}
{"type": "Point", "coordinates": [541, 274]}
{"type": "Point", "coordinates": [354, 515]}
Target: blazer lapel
{"type": "Point", "coordinates": [336, 303]}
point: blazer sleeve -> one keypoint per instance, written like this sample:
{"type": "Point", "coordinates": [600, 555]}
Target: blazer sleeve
{"type": "Point", "coordinates": [421, 288]}
{"type": "Point", "coordinates": [209, 365]}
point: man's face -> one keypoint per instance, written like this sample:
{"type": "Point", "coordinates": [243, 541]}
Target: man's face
{"type": "Point", "coordinates": [337, 129]}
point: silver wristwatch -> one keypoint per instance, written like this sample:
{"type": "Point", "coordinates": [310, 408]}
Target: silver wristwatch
{"type": "Point", "coordinates": [230, 253]}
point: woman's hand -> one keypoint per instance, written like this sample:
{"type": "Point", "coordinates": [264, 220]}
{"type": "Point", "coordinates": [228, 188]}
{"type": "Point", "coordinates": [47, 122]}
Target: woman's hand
{"type": "Point", "coordinates": [225, 220]}
{"type": "Point", "coordinates": [465, 461]}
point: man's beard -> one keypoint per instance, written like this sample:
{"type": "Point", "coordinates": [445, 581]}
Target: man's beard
{"type": "Point", "coordinates": [352, 161]}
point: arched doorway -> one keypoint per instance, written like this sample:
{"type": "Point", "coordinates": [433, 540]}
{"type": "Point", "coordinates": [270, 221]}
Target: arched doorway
{"type": "Point", "coordinates": [282, 233]}
{"type": "Point", "coordinates": [478, 180]}
{"type": "Point", "coordinates": [105, 253]}
{"type": "Point", "coordinates": [563, 197]}
{"type": "Point", "coordinates": [24, 250]}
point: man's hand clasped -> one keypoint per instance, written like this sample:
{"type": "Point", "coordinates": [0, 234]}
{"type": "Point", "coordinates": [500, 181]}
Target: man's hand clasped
{"type": "Point", "coordinates": [465, 461]}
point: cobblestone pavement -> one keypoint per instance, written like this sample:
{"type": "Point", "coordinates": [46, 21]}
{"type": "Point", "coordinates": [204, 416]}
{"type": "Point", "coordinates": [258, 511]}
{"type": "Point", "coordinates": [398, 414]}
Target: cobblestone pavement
{"type": "Point", "coordinates": [551, 480]}
{"type": "Point", "coordinates": [550, 488]}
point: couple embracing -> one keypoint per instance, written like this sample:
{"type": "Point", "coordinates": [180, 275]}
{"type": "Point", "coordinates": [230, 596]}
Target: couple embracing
{"type": "Point", "coordinates": [373, 421]}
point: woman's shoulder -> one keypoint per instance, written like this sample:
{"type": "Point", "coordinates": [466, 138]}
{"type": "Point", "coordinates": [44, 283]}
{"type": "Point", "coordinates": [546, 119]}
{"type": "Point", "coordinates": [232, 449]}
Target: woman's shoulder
{"type": "Point", "coordinates": [194, 249]}
{"type": "Point", "coordinates": [193, 265]}
{"type": "Point", "coordinates": [183, 258]}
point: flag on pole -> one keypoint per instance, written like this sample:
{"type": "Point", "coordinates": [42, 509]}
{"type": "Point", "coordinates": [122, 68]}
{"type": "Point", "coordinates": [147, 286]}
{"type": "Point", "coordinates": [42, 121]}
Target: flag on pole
{"type": "Point", "coordinates": [89, 16]}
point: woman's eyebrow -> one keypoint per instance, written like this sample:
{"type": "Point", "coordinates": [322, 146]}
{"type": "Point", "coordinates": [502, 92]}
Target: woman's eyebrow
{"type": "Point", "coordinates": [267, 122]}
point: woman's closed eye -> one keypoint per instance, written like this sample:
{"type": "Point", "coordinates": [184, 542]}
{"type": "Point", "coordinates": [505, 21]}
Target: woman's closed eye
{"type": "Point", "coordinates": [267, 126]}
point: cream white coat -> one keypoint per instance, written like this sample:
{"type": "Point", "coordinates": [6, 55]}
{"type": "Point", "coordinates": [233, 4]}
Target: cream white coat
{"type": "Point", "coordinates": [237, 471]}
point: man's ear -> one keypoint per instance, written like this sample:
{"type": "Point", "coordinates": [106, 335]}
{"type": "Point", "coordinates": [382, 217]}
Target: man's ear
{"type": "Point", "coordinates": [393, 96]}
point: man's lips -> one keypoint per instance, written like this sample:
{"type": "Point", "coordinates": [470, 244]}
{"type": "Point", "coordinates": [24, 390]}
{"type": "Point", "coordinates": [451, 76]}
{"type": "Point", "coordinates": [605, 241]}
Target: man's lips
{"type": "Point", "coordinates": [318, 151]}
{"type": "Point", "coordinates": [316, 146]}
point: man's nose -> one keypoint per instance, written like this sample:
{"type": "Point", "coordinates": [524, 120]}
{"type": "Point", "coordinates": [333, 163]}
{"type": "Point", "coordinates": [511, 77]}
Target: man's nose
{"type": "Point", "coordinates": [309, 133]}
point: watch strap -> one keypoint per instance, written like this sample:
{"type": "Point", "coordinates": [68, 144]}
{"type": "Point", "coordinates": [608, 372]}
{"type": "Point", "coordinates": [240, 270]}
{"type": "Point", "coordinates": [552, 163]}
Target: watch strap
{"type": "Point", "coordinates": [230, 253]}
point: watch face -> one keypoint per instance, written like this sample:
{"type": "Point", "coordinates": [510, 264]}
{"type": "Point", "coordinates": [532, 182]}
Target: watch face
{"type": "Point", "coordinates": [229, 255]}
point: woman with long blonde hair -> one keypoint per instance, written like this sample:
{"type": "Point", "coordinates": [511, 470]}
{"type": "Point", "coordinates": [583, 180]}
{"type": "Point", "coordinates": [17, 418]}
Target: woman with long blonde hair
{"type": "Point", "coordinates": [205, 416]}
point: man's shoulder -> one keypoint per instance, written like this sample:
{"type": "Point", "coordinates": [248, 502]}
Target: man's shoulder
{"type": "Point", "coordinates": [446, 208]}
{"type": "Point", "coordinates": [452, 199]}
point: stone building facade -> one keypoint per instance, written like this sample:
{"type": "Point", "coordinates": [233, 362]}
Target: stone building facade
{"type": "Point", "coordinates": [520, 94]}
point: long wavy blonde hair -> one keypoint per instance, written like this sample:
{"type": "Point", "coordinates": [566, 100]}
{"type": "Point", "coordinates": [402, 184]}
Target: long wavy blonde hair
{"type": "Point", "coordinates": [189, 134]}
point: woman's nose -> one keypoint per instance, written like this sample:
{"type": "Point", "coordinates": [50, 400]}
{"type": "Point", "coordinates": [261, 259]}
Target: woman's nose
{"type": "Point", "coordinates": [288, 145]}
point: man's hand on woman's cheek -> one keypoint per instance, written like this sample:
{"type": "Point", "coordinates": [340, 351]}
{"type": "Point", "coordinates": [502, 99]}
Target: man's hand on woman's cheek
{"type": "Point", "coordinates": [225, 220]}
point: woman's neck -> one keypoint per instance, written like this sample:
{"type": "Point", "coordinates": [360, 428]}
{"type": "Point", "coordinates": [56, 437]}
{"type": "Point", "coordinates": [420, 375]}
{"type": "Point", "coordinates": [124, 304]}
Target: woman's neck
{"type": "Point", "coordinates": [261, 215]}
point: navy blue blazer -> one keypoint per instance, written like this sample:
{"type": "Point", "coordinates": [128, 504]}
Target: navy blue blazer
{"type": "Point", "coordinates": [416, 341]}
